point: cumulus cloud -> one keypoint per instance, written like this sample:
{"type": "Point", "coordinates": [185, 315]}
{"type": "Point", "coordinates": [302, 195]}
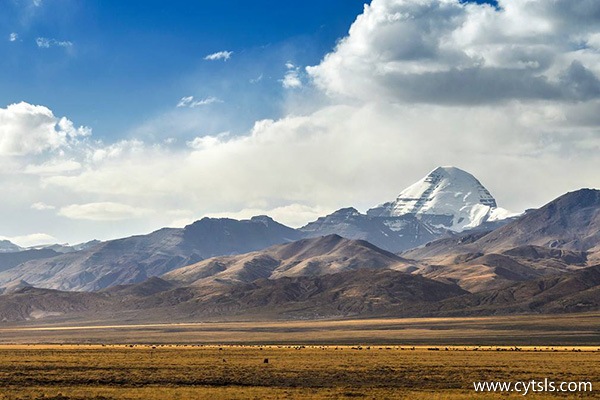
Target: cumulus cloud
{"type": "Point", "coordinates": [220, 55]}
{"type": "Point", "coordinates": [188, 101]}
{"type": "Point", "coordinates": [452, 52]}
{"type": "Point", "coordinates": [351, 155]}
{"type": "Point", "coordinates": [31, 129]}
{"type": "Point", "coordinates": [103, 211]}
{"type": "Point", "coordinates": [203, 142]}
{"type": "Point", "coordinates": [46, 43]}
{"type": "Point", "coordinates": [13, 37]}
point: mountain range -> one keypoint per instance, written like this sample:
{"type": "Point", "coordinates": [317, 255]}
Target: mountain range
{"type": "Point", "coordinates": [99, 265]}
{"type": "Point", "coordinates": [136, 258]}
{"type": "Point", "coordinates": [443, 247]}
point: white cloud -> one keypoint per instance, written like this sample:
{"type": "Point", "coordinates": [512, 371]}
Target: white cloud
{"type": "Point", "coordinates": [13, 37]}
{"type": "Point", "coordinates": [103, 211]}
{"type": "Point", "coordinates": [291, 79]}
{"type": "Point", "coordinates": [38, 3]}
{"type": "Point", "coordinates": [41, 206]}
{"type": "Point", "coordinates": [203, 142]}
{"type": "Point", "coordinates": [453, 52]}
{"type": "Point", "coordinates": [31, 129]}
{"type": "Point", "coordinates": [46, 43]}
{"type": "Point", "coordinates": [53, 167]}
{"type": "Point", "coordinates": [294, 215]}
{"type": "Point", "coordinates": [121, 148]}
{"type": "Point", "coordinates": [257, 79]}
{"type": "Point", "coordinates": [220, 55]}
{"type": "Point", "coordinates": [189, 102]}
{"type": "Point", "coordinates": [351, 156]}
{"type": "Point", "coordinates": [182, 218]}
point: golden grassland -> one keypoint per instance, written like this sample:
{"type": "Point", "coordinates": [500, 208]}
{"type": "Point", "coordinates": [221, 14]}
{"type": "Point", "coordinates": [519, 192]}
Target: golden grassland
{"type": "Point", "coordinates": [320, 372]}
{"type": "Point", "coordinates": [368, 359]}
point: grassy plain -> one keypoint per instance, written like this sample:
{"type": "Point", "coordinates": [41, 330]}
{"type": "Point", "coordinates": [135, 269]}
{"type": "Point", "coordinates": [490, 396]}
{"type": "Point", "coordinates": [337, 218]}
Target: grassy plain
{"type": "Point", "coordinates": [239, 372]}
{"type": "Point", "coordinates": [370, 359]}
{"type": "Point", "coordinates": [566, 329]}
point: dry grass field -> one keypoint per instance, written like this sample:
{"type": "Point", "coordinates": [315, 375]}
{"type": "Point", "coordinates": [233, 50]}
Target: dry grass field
{"type": "Point", "coordinates": [367, 359]}
{"type": "Point", "coordinates": [565, 329]}
{"type": "Point", "coordinates": [239, 372]}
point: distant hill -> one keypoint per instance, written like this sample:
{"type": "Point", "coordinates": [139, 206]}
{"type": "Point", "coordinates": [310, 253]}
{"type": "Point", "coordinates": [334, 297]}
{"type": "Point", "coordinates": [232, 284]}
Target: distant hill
{"type": "Point", "coordinates": [136, 258]}
{"type": "Point", "coordinates": [570, 222]}
{"type": "Point", "coordinates": [345, 294]}
{"type": "Point", "coordinates": [396, 226]}
{"type": "Point", "coordinates": [571, 292]}
{"type": "Point", "coordinates": [354, 293]}
{"type": "Point", "coordinates": [361, 292]}
{"type": "Point", "coordinates": [29, 303]}
{"type": "Point", "coordinates": [307, 257]}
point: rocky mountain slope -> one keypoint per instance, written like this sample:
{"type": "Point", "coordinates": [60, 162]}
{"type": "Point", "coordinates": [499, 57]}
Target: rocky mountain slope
{"type": "Point", "coordinates": [351, 293]}
{"type": "Point", "coordinates": [354, 293]}
{"type": "Point", "coordinates": [308, 257]}
{"type": "Point", "coordinates": [11, 260]}
{"type": "Point", "coordinates": [394, 234]}
{"type": "Point", "coordinates": [572, 292]}
{"type": "Point", "coordinates": [361, 292]}
{"type": "Point", "coordinates": [562, 236]}
{"type": "Point", "coordinates": [571, 222]}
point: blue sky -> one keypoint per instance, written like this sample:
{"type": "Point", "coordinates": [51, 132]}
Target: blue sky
{"type": "Point", "coordinates": [122, 117]}
{"type": "Point", "coordinates": [121, 62]}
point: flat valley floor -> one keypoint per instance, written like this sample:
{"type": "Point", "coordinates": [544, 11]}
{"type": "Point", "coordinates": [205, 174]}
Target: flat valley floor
{"type": "Point", "coordinates": [367, 359]}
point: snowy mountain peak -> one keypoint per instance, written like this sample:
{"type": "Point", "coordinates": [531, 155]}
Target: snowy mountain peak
{"type": "Point", "coordinates": [447, 196]}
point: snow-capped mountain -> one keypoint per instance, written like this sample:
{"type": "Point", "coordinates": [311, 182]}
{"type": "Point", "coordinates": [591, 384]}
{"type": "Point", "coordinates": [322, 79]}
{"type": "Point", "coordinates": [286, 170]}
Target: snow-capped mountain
{"type": "Point", "coordinates": [447, 197]}
{"type": "Point", "coordinates": [390, 233]}
{"type": "Point", "coordinates": [447, 200]}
